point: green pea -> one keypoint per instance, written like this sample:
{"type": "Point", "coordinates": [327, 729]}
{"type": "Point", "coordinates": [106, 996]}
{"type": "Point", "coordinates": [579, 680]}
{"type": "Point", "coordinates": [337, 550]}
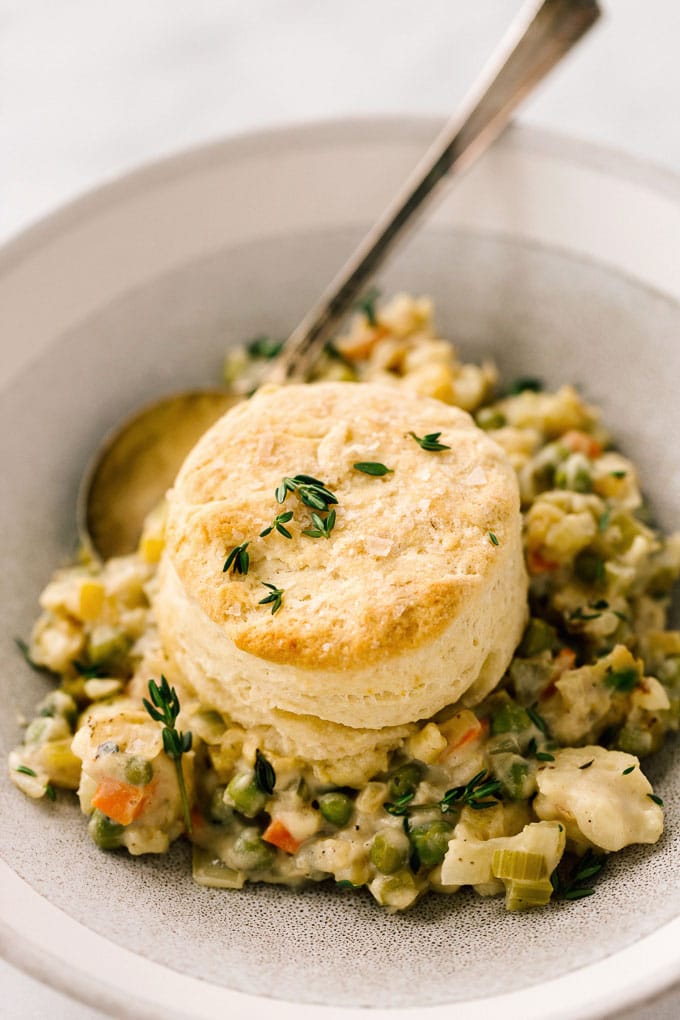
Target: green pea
{"type": "Point", "coordinates": [388, 851]}
{"type": "Point", "coordinates": [104, 831]}
{"type": "Point", "coordinates": [138, 771]}
{"type": "Point", "coordinates": [405, 780]}
{"type": "Point", "coordinates": [490, 418]}
{"type": "Point", "coordinates": [431, 841]}
{"type": "Point", "coordinates": [251, 853]}
{"type": "Point", "coordinates": [538, 637]}
{"type": "Point", "coordinates": [336, 807]}
{"type": "Point", "coordinates": [245, 795]}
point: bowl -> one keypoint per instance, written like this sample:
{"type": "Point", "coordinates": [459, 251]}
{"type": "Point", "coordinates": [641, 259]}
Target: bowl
{"type": "Point", "coordinates": [556, 259]}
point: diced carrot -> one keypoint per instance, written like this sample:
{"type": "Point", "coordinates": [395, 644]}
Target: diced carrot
{"type": "Point", "coordinates": [122, 802]}
{"type": "Point", "coordinates": [565, 660]}
{"type": "Point", "coordinates": [582, 442]}
{"type": "Point", "coordinates": [360, 348]}
{"type": "Point", "coordinates": [538, 564]}
{"type": "Point", "coordinates": [475, 732]}
{"type": "Point", "coordinates": [278, 835]}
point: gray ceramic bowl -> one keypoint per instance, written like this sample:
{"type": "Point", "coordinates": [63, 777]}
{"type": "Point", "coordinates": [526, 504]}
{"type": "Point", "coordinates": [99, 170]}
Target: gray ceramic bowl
{"type": "Point", "coordinates": [558, 261]}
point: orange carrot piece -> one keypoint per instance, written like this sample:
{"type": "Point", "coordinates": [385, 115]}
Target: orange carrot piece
{"type": "Point", "coordinates": [538, 564]}
{"type": "Point", "coordinates": [475, 732]}
{"type": "Point", "coordinates": [122, 802]}
{"type": "Point", "coordinates": [361, 348]}
{"type": "Point", "coordinates": [582, 442]}
{"type": "Point", "coordinates": [278, 835]}
{"type": "Point", "coordinates": [565, 660]}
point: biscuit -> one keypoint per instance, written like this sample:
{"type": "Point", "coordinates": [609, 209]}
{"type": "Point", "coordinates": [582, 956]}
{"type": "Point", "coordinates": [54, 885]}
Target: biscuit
{"type": "Point", "coordinates": [416, 600]}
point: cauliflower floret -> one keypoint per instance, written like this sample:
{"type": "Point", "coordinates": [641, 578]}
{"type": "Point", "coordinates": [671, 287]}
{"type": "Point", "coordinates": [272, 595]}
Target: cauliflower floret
{"type": "Point", "coordinates": [601, 797]}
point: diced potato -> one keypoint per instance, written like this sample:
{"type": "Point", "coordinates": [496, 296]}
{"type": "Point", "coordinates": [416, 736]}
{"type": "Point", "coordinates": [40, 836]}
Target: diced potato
{"type": "Point", "coordinates": [426, 744]}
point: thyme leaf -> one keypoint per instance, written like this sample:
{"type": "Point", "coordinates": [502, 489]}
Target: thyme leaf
{"type": "Point", "coordinates": [429, 442]}
{"type": "Point", "coordinates": [322, 527]}
{"type": "Point", "coordinates": [164, 708]}
{"type": "Point", "coordinates": [265, 776]}
{"type": "Point", "coordinates": [575, 882]}
{"type": "Point", "coordinates": [366, 304]}
{"type": "Point", "coordinates": [372, 467]}
{"type": "Point", "coordinates": [278, 524]}
{"type": "Point", "coordinates": [238, 559]}
{"type": "Point", "coordinates": [399, 806]}
{"type": "Point", "coordinates": [524, 383]}
{"type": "Point", "coordinates": [275, 597]}
{"type": "Point", "coordinates": [493, 538]}
{"type": "Point", "coordinates": [26, 771]}
{"type": "Point", "coordinates": [481, 792]}
{"type": "Point", "coordinates": [264, 347]}
{"type": "Point", "coordinates": [23, 648]}
{"type": "Point", "coordinates": [309, 491]}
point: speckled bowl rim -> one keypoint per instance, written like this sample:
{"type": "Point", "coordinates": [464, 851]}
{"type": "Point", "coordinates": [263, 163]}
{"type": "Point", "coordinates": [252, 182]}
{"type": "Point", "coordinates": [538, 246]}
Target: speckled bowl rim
{"type": "Point", "coordinates": [28, 922]}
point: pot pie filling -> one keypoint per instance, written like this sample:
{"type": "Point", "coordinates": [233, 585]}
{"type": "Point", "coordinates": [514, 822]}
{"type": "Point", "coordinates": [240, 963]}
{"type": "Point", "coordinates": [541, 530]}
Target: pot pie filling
{"type": "Point", "coordinates": [522, 793]}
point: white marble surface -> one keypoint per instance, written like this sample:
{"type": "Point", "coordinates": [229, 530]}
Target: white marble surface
{"type": "Point", "coordinates": [89, 89]}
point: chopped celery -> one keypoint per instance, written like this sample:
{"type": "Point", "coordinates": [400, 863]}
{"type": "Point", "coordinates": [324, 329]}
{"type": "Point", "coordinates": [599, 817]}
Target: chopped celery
{"type": "Point", "coordinates": [530, 677]}
{"type": "Point", "coordinates": [510, 718]}
{"type": "Point", "coordinates": [538, 637]}
{"type": "Point", "coordinates": [523, 895]}
{"type": "Point", "coordinates": [520, 865]}
{"type": "Point", "coordinates": [60, 763]}
{"type": "Point", "coordinates": [210, 871]}
{"type": "Point", "coordinates": [107, 646]}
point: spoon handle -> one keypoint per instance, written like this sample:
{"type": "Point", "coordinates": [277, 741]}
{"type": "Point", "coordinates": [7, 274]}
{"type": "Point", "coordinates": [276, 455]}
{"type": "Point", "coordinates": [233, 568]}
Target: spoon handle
{"type": "Point", "coordinates": [540, 35]}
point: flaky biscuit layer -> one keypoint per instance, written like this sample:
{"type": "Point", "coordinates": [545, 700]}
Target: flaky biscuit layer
{"type": "Point", "coordinates": [406, 607]}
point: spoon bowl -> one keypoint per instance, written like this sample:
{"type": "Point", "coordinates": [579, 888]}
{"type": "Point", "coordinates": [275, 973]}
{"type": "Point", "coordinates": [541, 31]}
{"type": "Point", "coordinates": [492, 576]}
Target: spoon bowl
{"type": "Point", "coordinates": [137, 464]}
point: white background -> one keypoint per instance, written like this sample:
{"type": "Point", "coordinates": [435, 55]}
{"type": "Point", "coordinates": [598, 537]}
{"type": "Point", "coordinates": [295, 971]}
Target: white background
{"type": "Point", "coordinates": [92, 88]}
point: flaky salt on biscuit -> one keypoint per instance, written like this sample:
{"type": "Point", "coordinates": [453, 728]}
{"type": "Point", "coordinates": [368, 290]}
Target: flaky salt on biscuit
{"type": "Point", "coordinates": [416, 600]}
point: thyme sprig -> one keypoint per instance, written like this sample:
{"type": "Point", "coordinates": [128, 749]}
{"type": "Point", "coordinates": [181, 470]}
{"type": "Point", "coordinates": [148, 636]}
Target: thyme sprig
{"type": "Point", "coordinates": [275, 597]}
{"type": "Point", "coordinates": [238, 559]}
{"type": "Point", "coordinates": [279, 524]}
{"type": "Point", "coordinates": [429, 442]}
{"type": "Point", "coordinates": [575, 882]}
{"type": "Point", "coordinates": [322, 527]}
{"type": "Point", "coordinates": [164, 708]}
{"type": "Point", "coordinates": [309, 491]}
{"type": "Point", "coordinates": [481, 792]}
{"type": "Point", "coordinates": [400, 806]}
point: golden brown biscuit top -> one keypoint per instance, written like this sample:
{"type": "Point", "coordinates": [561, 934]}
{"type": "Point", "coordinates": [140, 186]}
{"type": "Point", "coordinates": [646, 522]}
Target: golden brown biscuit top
{"type": "Point", "coordinates": [406, 550]}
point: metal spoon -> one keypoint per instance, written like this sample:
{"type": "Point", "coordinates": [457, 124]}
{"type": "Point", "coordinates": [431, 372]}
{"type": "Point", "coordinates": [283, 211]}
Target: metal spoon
{"type": "Point", "coordinates": [139, 460]}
